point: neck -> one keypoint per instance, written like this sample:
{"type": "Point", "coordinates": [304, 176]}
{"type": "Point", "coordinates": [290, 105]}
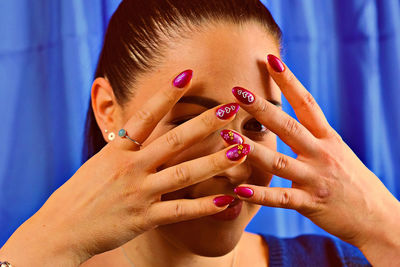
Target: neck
{"type": "Point", "coordinates": [152, 249]}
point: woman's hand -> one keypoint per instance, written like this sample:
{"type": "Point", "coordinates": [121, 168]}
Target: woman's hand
{"type": "Point", "coordinates": [116, 195]}
{"type": "Point", "coordinates": [330, 185]}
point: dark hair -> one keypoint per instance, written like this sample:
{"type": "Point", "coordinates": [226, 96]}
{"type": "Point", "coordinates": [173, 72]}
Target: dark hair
{"type": "Point", "coordinates": [138, 33]}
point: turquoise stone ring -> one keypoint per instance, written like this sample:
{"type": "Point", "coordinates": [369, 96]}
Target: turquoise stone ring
{"type": "Point", "coordinates": [123, 134]}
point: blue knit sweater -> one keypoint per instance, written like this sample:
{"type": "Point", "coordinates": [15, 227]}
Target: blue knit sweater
{"type": "Point", "coordinates": [313, 250]}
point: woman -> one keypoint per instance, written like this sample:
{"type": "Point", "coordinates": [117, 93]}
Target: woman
{"type": "Point", "coordinates": [177, 170]}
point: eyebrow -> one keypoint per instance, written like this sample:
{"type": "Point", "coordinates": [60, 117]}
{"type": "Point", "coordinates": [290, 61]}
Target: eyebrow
{"type": "Point", "coordinates": [210, 103]}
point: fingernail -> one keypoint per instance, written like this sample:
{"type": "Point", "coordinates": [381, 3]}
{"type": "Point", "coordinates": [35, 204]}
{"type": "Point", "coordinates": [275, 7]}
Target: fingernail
{"type": "Point", "coordinates": [231, 137]}
{"type": "Point", "coordinates": [227, 111]}
{"type": "Point", "coordinates": [275, 63]}
{"type": "Point", "coordinates": [243, 95]}
{"type": "Point", "coordinates": [238, 152]}
{"type": "Point", "coordinates": [244, 191]}
{"type": "Point", "coordinates": [183, 78]}
{"type": "Point", "coordinates": [223, 200]}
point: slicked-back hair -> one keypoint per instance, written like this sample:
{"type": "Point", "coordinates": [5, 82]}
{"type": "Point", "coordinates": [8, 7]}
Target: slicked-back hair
{"type": "Point", "coordinates": [138, 35]}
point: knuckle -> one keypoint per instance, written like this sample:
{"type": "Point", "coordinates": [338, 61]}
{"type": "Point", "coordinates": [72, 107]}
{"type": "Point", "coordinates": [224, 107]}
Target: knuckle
{"type": "Point", "coordinates": [145, 116]}
{"type": "Point", "coordinates": [216, 164]}
{"type": "Point", "coordinates": [291, 127]}
{"type": "Point", "coordinates": [262, 107]}
{"type": "Point", "coordinates": [203, 208]}
{"type": "Point", "coordinates": [263, 197]}
{"type": "Point", "coordinates": [207, 121]}
{"type": "Point", "coordinates": [174, 139]}
{"type": "Point", "coordinates": [169, 98]}
{"type": "Point", "coordinates": [182, 175]}
{"type": "Point", "coordinates": [179, 210]}
{"type": "Point", "coordinates": [280, 162]}
{"type": "Point", "coordinates": [331, 160]}
{"type": "Point", "coordinates": [321, 195]}
{"type": "Point", "coordinates": [124, 168]}
{"type": "Point", "coordinates": [290, 78]}
{"type": "Point", "coordinates": [285, 199]}
{"type": "Point", "coordinates": [336, 138]}
{"type": "Point", "coordinates": [308, 101]}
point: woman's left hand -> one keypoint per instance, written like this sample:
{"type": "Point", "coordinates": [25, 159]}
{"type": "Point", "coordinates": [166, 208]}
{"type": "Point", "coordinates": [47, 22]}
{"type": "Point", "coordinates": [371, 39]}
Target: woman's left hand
{"type": "Point", "coordinates": [330, 185]}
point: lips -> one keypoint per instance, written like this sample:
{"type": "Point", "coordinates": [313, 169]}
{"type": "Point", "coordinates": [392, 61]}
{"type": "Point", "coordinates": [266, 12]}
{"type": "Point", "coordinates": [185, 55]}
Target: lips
{"type": "Point", "coordinates": [230, 213]}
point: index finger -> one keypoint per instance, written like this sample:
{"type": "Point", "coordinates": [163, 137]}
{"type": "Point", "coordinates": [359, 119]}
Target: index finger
{"type": "Point", "coordinates": [144, 120]}
{"type": "Point", "coordinates": [304, 105]}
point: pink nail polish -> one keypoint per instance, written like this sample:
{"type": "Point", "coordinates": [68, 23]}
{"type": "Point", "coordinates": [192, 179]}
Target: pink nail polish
{"type": "Point", "coordinates": [223, 200]}
{"type": "Point", "coordinates": [183, 78]}
{"type": "Point", "coordinates": [244, 191]}
{"type": "Point", "coordinates": [231, 137]}
{"type": "Point", "coordinates": [275, 63]}
{"type": "Point", "coordinates": [238, 152]}
{"type": "Point", "coordinates": [227, 111]}
{"type": "Point", "coordinates": [243, 95]}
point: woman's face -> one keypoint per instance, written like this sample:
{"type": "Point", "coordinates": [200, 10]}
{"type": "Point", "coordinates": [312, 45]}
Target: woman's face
{"type": "Point", "coordinates": [222, 56]}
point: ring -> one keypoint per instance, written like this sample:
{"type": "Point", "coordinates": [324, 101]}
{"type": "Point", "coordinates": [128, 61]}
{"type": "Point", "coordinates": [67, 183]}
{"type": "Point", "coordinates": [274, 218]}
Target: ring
{"type": "Point", "coordinates": [123, 134]}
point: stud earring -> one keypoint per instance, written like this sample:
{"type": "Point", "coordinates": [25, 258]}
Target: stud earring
{"type": "Point", "coordinates": [111, 135]}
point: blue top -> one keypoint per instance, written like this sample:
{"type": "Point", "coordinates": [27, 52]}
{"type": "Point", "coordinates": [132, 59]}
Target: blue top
{"type": "Point", "coordinates": [313, 250]}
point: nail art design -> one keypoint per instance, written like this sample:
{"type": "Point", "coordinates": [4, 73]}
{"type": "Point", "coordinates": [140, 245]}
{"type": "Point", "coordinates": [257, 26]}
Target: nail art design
{"type": "Point", "coordinates": [244, 191]}
{"type": "Point", "coordinates": [238, 152]}
{"type": "Point", "coordinates": [227, 111]}
{"type": "Point", "coordinates": [231, 137]}
{"type": "Point", "coordinates": [223, 200]}
{"type": "Point", "coordinates": [275, 63]}
{"type": "Point", "coordinates": [243, 95]}
{"type": "Point", "coordinates": [183, 78]}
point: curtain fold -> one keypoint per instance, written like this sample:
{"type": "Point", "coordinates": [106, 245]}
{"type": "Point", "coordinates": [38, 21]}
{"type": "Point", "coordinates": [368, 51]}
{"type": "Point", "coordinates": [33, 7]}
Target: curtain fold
{"type": "Point", "coordinates": [346, 53]}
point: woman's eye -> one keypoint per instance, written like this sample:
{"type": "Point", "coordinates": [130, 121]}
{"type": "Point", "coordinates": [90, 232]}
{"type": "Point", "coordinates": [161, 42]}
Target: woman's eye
{"type": "Point", "coordinates": [254, 126]}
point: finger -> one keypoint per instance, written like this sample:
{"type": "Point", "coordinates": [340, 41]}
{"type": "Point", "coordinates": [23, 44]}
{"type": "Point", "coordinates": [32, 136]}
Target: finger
{"type": "Point", "coordinates": [143, 121]}
{"type": "Point", "coordinates": [195, 171]}
{"type": "Point", "coordinates": [277, 163]}
{"type": "Point", "coordinates": [172, 211]}
{"type": "Point", "coordinates": [304, 105]}
{"type": "Point", "coordinates": [287, 128]}
{"type": "Point", "coordinates": [183, 136]}
{"type": "Point", "coordinates": [288, 198]}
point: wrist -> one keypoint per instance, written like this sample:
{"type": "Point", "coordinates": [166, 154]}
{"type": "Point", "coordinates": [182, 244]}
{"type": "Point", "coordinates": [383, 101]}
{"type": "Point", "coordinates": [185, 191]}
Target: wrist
{"type": "Point", "coordinates": [36, 245]}
{"type": "Point", "coordinates": [382, 246]}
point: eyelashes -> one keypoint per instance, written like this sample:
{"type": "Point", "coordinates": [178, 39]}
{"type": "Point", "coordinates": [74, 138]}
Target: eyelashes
{"type": "Point", "coordinates": [252, 126]}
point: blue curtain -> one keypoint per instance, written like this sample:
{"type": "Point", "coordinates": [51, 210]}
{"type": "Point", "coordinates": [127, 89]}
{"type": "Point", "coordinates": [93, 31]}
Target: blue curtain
{"type": "Point", "coordinates": [346, 53]}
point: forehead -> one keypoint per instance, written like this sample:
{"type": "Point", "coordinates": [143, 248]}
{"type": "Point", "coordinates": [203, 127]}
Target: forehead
{"type": "Point", "coordinates": [222, 56]}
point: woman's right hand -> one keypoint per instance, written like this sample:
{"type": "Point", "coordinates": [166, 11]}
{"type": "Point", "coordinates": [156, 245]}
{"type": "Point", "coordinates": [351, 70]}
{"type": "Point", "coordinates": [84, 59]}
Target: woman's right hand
{"type": "Point", "coordinates": [116, 195]}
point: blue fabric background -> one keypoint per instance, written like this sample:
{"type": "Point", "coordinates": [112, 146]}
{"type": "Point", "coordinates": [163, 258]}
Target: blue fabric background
{"type": "Point", "coordinates": [346, 53]}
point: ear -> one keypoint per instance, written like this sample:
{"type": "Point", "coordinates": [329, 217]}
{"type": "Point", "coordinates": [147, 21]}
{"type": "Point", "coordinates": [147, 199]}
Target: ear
{"type": "Point", "coordinates": [104, 106]}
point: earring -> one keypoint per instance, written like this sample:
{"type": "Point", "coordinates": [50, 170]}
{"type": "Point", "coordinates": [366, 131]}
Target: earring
{"type": "Point", "coordinates": [111, 136]}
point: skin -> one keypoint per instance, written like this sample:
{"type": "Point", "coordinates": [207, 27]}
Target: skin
{"type": "Point", "coordinates": [219, 64]}
{"type": "Point", "coordinates": [114, 199]}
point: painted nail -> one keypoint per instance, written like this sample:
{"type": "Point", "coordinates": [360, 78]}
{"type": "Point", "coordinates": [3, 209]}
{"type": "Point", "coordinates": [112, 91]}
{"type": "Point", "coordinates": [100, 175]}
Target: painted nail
{"type": "Point", "coordinates": [223, 200]}
{"type": "Point", "coordinates": [227, 111]}
{"type": "Point", "coordinates": [183, 78]}
{"type": "Point", "coordinates": [243, 95]}
{"type": "Point", "coordinates": [238, 152]}
{"type": "Point", "coordinates": [231, 137]}
{"type": "Point", "coordinates": [275, 63]}
{"type": "Point", "coordinates": [244, 191]}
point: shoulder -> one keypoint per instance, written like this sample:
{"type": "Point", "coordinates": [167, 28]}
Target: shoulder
{"type": "Point", "coordinates": [313, 249]}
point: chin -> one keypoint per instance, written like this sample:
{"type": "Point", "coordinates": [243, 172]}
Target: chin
{"type": "Point", "coordinates": [200, 240]}
{"type": "Point", "coordinates": [205, 236]}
